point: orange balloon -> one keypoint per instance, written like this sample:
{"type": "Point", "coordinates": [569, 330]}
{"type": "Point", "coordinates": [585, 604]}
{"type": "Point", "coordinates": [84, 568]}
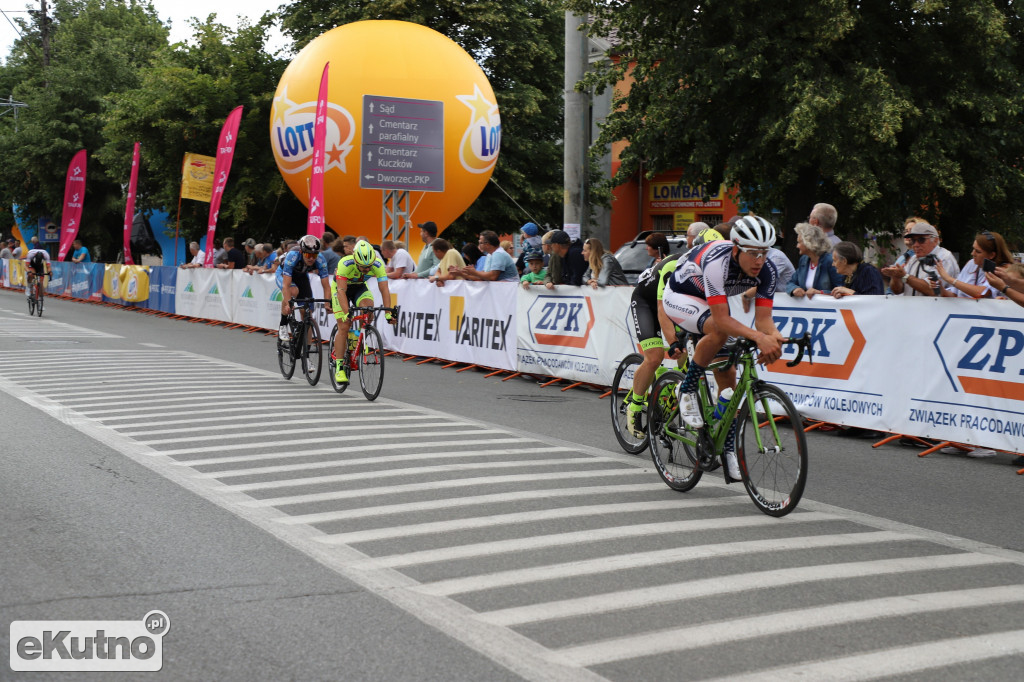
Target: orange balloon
{"type": "Point", "coordinates": [408, 110]}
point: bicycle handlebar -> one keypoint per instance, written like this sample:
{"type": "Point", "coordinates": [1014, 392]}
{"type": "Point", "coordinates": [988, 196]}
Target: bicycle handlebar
{"type": "Point", "coordinates": [803, 343]}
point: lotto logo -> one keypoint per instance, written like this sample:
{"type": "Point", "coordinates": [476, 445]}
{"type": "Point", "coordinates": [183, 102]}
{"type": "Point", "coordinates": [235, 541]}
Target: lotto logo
{"type": "Point", "coordinates": [88, 645]}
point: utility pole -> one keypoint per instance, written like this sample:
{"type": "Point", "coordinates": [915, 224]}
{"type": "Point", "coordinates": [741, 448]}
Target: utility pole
{"type": "Point", "coordinates": [577, 124]}
{"type": "Point", "coordinates": [44, 32]}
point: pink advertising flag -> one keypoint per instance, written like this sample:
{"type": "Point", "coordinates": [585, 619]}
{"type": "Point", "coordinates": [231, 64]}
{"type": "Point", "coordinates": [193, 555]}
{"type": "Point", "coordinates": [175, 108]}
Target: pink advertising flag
{"type": "Point", "coordinates": [129, 209]}
{"type": "Point", "coordinates": [221, 168]}
{"type": "Point", "coordinates": [74, 199]}
{"type": "Point", "coordinates": [315, 221]}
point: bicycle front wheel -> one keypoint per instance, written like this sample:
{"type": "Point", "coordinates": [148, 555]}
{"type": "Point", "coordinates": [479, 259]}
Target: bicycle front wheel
{"type": "Point", "coordinates": [39, 301]}
{"type": "Point", "coordinates": [675, 461]}
{"type": "Point", "coordinates": [31, 304]}
{"type": "Point", "coordinates": [312, 354]}
{"type": "Point", "coordinates": [332, 365]}
{"type": "Point", "coordinates": [371, 363]}
{"type": "Point", "coordinates": [772, 450]}
{"type": "Point", "coordinates": [622, 390]}
{"type": "Point", "coordinates": [285, 359]}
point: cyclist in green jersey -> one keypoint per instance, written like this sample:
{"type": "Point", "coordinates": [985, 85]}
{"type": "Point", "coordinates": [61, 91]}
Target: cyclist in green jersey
{"type": "Point", "coordinates": [349, 287]}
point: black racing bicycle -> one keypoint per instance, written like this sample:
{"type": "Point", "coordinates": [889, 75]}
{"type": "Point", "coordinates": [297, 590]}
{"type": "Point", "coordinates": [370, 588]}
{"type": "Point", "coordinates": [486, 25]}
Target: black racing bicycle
{"type": "Point", "coordinates": [305, 345]}
{"type": "Point", "coordinates": [34, 286]}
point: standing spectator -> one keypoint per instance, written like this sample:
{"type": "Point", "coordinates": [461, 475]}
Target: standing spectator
{"type": "Point", "coordinates": [7, 251]}
{"type": "Point", "coordinates": [220, 254]}
{"type": "Point", "coordinates": [572, 262]}
{"type": "Point", "coordinates": [814, 273]}
{"type": "Point", "coordinates": [348, 245]}
{"type": "Point", "coordinates": [604, 268]}
{"type": "Point", "coordinates": [270, 262]}
{"type": "Point", "coordinates": [399, 260]}
{"type": "Point", "coordinates": [553, 262]}
{"type": "Point", "coordinates": [971, 282]}
{"type": "Point", "coordinates": [858, 277]}
{"type": "Point", "coordinates": [79, 253]}
{"type": "Point", "coordinates": [919, 276]}
{"type": "Point", "coordinates": [234, 258]}
{"type": "Point", "coordinates": [16, 250]}
{"type": "Point", "coordinates": [198, 256]}
{"type": "Point", "coordinates": [499, 266]}
{"type": "Point", "coordinates": [825, 217]}
{"type": "Point", "coordinates": [508, 247]}
{"type": "Point", "coordinates": [657, 246]}
{"type": "Point", "coordinates": [33, 243]}
{"type": "Point", "coordinates": [428, 233]}
{"type": "Point", "coordinates": [536, 274]}
{"type": "Point", "coordinates": [449, 264]}
{"type": "Point", "coordinates": [250, 251]}
{"type": "Point", "coordinates": [263, 257]}
{"type": "Point", "coordinates": [473, 256]}
{"type": "Point", "coordinates": [330, 255]}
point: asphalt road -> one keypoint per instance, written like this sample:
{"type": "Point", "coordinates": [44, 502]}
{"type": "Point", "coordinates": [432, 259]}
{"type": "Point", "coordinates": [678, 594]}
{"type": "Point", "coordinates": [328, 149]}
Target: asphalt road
{"type": "Point", "coordinates": [462, 527]}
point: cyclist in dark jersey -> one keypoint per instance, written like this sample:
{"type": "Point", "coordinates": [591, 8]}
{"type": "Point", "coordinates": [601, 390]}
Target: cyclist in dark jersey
{"type": "Point", "coordinates": [697, 299]}
{"type": "Point", "coordinates": [292, 277]}
{"type": "Point", "coordinates": [650, 323]}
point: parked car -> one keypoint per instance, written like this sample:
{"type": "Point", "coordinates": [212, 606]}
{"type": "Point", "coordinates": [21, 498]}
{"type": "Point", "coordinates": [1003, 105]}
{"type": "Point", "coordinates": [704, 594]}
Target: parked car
{"type": "Point", "coordinates": [633, 258]}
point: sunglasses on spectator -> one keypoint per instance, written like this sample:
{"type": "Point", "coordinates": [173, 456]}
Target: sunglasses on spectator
{"type": "Point", "coordinates": [917, 239]}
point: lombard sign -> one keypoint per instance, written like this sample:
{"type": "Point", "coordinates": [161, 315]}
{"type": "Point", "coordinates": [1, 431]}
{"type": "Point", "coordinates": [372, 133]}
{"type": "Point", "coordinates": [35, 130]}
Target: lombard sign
{"type": "Point", "coordinates": [983, 355]}
{"type": "Point", "coordinates": [837, 341]}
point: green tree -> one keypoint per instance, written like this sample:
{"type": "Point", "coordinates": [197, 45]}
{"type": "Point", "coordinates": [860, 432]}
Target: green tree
{"type": "Point", "coordinates": [179, 106]}
{"type": "Point", "coordinates": [96, 48]}
{"type": "Point", "coordinates": [883, 109]}
{"type": "Point", "coordinates": [519, 46]}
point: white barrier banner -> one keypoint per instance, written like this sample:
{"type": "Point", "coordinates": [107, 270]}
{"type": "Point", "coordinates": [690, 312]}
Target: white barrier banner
{"type": "Point", "coordinates": [576, 333]}
{"type": "Point", "coordinates": [473, 322]}
{"type": "Point", "coordinates": [205, 292]}
{"type": "Point", "coordinates": [257, 300]}
{"type": "Point", "coordinates": [943, 368]}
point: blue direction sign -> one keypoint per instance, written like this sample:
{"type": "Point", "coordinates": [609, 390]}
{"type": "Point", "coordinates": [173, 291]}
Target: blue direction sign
{"type": "Point", "coordinates": [403, 144]}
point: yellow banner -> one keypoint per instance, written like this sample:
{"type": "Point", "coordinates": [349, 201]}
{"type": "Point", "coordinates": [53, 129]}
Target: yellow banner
{"type": "Point", "coordinates": [197, 177]}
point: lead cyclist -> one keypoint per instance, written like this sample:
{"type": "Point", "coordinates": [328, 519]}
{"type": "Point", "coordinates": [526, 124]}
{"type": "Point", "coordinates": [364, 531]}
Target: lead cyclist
{"type": "Point", "coordinates": [697, 299]}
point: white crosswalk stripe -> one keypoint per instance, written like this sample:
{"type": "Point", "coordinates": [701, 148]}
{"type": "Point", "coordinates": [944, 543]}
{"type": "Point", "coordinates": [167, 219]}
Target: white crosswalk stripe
{"type": "Point", "coordinates": [475, 527]}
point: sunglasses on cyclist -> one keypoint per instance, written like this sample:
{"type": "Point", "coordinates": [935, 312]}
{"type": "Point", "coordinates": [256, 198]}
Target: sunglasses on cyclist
{"type": "Point", "coordinates": [757, 254]}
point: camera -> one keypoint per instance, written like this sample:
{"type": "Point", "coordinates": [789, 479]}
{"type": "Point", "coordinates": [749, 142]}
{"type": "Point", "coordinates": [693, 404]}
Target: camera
{"type": "Point", "coordinates": [928, 260]}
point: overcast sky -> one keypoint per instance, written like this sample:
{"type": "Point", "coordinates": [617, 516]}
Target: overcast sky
{"type": "Point", "coordinates": [177, 11]}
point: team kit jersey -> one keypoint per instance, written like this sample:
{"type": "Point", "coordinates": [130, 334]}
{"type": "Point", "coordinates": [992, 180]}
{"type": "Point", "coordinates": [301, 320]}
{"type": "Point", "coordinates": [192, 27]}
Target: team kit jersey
{"type": "Point", "coordinates": [712, 274]}
{"type": "Point", "coordinates": [293, 265]}
{"type": "Point", "coordinates": [349, 271]}
{"type": "Point", "coordinates": [32, 254]}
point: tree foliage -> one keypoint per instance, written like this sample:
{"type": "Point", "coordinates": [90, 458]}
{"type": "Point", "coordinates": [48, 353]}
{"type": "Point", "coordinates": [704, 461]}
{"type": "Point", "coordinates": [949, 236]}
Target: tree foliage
{"type": "Point", "coordinates": [519, 45]}
{"type": "Point", "coordinates": [883, 109]}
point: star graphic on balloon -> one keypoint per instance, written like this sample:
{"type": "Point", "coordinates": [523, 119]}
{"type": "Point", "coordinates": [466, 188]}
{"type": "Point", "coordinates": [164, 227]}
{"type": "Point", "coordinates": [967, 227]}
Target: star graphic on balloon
{"type": "Point", "coordinates": [482, 109]}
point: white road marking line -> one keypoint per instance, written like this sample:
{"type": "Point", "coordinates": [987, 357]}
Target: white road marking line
{"type": "Point", "coordinates": [262, 418]}
{"type": "Point", "coordinates": [400, 489]}
{"type": "Point", "coordinates": [135, 388]}
{"type": "Point", "coordinates": [290, 443]}
{"type": "Point", "coordinates": [165, 397]}
{"type": "Point", "coordinates": [301, 399]}
{"type": "Point", "coordinates": [249, 432]}
{"type": "Point", "coordinates": [413, 471]}
{"type": "Point", "coordinates": [453, 502]}
{"type": "Point", "coordinates": [712, 634]}
{"type": "Point", "coordinates": [693, 589]}
{"type": "Point", "coordinates": [481, 549]}
{"type": "Point", "coordinates": [898, 661]}
{"type": "Point", "coordinates": [385, 459]}
{"type": "Point", "coordinates": [513, 518]}
{"type": "Point", "coordinates": [621, 562]}
{"type": "Point", "coordinates": [255, 406]}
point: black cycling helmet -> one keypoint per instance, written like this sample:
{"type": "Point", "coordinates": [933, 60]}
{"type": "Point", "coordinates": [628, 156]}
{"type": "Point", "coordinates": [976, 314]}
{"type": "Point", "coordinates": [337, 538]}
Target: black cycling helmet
{"type": "Point", "coordinates": [309, 244]}
{"type": "Point", "coordinates": [37, 260]}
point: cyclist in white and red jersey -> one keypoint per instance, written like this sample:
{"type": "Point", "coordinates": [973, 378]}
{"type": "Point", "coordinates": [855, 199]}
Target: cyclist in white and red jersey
{"type": "Point", "coordinates": [37, 264]}
{"type": "Point", "coordinates": [697, 299]}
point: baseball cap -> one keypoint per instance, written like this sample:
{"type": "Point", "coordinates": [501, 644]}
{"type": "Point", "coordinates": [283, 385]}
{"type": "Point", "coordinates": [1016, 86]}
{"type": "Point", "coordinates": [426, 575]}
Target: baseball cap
{"type": "Point", "coordinates": [250, 242]}
{"type": "Point", "coordinates": [430, 226]}
{"type": "Point", "coordinates": [559, 237]}
{"type": "Point", "coordinates": [923, 229]}
{"type": "Point", "coordinates": [535, 255]}
{"type": "Point", "coordinates": [529, 229]}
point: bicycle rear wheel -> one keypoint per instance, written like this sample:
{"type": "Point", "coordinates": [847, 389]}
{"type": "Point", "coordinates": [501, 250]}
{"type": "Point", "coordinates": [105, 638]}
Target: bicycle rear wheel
{"type": "Point", "coordinates": [675, 461]}
{"type": "Point", "coordinates": [332, 365]}
{"type": "Point", "coordinates": [39, 299]}
{"type": "Point", "coordinates": [772, 450]}
{"type": "Point", "coordinates": [371, 363]}
{"type": "Point", "coordinates": [622, 390]}
{"type": "Point", "coordinates": [312, 353]}
{"type": "Point", "coordinates": [285, 359]}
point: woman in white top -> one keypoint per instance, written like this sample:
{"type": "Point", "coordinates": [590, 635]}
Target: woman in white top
{"type": "Point", "coordinates": [971, 282]}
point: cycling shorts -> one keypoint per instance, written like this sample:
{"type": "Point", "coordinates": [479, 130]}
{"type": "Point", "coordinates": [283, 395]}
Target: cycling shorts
{"type": "Point", "coordinates": [689, 312]}
{"type": "Point", "coordinates": [305, 290]}
{"type": "Point", "coordinates": [646, 326]}
{"type": "Point", "coordinates": [356, 293]}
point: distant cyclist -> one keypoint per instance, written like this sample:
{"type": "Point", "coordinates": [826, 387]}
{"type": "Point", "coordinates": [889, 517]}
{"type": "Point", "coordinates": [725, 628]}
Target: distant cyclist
{"type": "Point", "coordinates": [648, 318]}
{"type": "Point", "coordinates": [37, 264]}
{"type": "Point", "coordinates": [292, 277]}
{"type": "Point", "coordinates": [349, 287]}
{"type": "Point", "coordinates": [697, 300]}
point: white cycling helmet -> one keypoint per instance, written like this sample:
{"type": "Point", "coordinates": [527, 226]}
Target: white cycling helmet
{"type": "Point", "coordinates": [753, 231]}
{"type": "Point", "coordinates": [309, 244]}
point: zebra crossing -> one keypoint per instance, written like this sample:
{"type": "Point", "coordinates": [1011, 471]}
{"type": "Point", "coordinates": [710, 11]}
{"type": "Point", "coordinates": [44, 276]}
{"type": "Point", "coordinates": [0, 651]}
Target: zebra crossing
{"type": "Point", "coordinates": [556, 560]}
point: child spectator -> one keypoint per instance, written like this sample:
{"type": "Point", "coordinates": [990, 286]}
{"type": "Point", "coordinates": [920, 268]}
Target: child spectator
{"type": "Point", "coordinates": [536, 273]}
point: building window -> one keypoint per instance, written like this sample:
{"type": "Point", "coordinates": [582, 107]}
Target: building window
{"type": "Point", "coordinates": [711, 219]}
{"type": "Point", "coordinates": [663, 223]}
